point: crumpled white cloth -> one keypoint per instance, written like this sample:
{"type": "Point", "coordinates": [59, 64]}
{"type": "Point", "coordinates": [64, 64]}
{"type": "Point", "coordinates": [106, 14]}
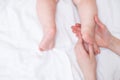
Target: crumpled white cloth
{"type": "Point", "coordinates": [20, 34]}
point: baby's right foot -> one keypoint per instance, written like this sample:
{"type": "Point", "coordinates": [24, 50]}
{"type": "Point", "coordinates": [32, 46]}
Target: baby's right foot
{"type": "Point", "coordinates": [48, 40]}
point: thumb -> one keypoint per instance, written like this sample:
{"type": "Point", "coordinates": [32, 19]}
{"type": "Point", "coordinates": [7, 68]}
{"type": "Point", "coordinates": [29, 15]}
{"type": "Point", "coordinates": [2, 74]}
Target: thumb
{"type": "Point", "coordinates": [98, 22]}
{"type": "Point", "coordinates": [80, 44]}
{"type": "Point", "coordinates": [91, 51]}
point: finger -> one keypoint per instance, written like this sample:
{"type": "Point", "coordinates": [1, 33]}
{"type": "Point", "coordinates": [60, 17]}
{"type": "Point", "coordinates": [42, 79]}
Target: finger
{"type": "Point", "coordinates": [86, 46]}
{"type": "Point", "coordinates": [99, 23]}
{"type": "Point", "coordinates": [79, 29]}
{"type": "Point", "coordinates": [77, 24]}
{"type": "Point", "coordinates": [78, 33]}
{"type": "Point", "coordinates": [76, 28]}
{"type": "Point", "coordinates": [74, 31]}
{"type": "Point", "coordinates": [77, 49]}
{"type": "Point", "coordinates": [96, 49]}
{"type": "Point", "coordinates": [91, 51]}
{"type": "Point", "coordinates": [81, 47]}
{"type": "Point", "coordinates": [97, 20]}
{"type": "Point", "coordinates": [73, 27]}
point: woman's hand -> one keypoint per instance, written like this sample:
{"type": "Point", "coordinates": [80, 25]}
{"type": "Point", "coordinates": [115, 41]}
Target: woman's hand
{"type": "Point", "coordinates": [77, 30]}
{"type": "Point", "coordinates": [105, 39]}
{"type": "Point", "coordinates": [103, 36]}
{"type": "Point", "coordinates": [86, 59]}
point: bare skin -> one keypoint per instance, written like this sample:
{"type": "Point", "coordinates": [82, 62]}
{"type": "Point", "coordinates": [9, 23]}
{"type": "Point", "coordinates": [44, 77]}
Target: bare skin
{"type": "Point", "coordinates": [102, 36]}
{"type": "Point", "coordinates": [77, 28]}
{"type": "Point", "coordinates": [105, 39]}
{"type": "Point", "coordinates": [86, 59]}
{"type": "Point", "coordinates": [87, 11]}
{"type": "Point", "coordinates": [46, 12]}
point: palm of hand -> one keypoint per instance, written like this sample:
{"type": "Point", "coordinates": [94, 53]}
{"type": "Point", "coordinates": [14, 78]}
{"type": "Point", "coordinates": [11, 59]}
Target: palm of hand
{"type": "Point", "coordinates": [102, 36]}
{"type": "Point", "coordinates": [85, 59]}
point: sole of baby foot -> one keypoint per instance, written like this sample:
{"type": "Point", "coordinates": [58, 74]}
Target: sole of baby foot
{"type": "Point", "coordinates": [48, 40]}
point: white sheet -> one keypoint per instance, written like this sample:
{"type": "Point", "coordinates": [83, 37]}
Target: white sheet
{"type": "Point", "coordinates": [20, 33]}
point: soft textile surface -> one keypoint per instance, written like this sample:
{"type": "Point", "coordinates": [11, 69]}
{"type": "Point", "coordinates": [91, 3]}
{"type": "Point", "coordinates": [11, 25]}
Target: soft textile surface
{"type": "Point", "coordinates": [20, 34]}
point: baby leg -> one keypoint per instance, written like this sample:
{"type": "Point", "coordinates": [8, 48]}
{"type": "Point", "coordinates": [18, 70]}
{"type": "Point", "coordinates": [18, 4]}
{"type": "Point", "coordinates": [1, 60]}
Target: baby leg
{"type": "Point", "coordinates": [46, 10]}
{"type": "Point", "coordinates": [87, 10]}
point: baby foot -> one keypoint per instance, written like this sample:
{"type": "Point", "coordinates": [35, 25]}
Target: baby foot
{"type": "Point", "coordinates": [88, 34]}
{"type": "Point", "coordinates": [48, 40]}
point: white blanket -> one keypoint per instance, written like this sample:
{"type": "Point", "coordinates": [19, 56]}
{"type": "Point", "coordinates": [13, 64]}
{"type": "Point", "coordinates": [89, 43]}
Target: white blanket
{"type": "Point", "coordinates": [20, 34]}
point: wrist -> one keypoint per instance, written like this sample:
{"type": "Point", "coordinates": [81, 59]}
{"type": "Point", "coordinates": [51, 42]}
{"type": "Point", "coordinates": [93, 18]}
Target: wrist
{"type": "Point", "coordinates": [112, 43]}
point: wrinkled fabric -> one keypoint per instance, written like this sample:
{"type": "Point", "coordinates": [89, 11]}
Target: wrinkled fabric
{"type": "Point", "coordinates": [21, 32]}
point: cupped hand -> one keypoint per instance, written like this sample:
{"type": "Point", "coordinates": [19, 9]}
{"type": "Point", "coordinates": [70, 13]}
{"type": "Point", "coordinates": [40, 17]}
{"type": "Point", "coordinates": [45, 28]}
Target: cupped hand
{"type": "Point", "coordinates": [86, 59]}
{"type": "Point", "coordinates": [102, 36]}
{"type": "Point", "coordinates": [77, 30]}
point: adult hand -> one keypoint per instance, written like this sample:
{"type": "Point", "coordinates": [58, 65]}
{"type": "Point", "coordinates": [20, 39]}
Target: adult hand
{"type": "Point", "coordinates": [86, 59]}
{"type": "Point", "coordinates": [103, 36]}
{"type": "Point", "coordinates": [77, 30]}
